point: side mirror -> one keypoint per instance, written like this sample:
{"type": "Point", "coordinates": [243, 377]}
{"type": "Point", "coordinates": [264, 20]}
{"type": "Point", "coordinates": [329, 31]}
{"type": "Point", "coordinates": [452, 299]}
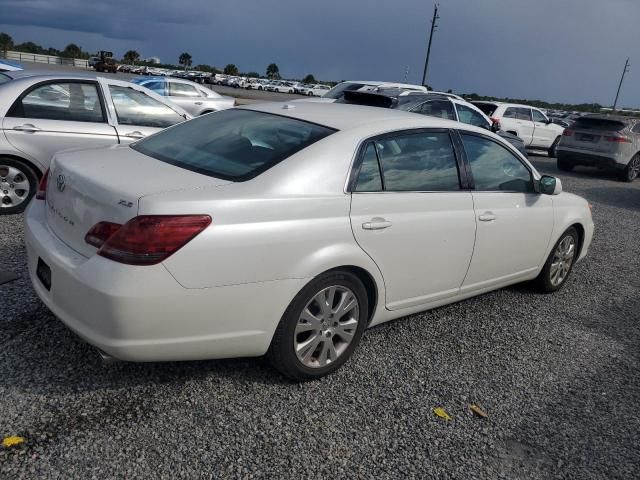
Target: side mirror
{"type": "Point", "coordinates": [548, 121]}
{"type": "Point", "coordinates": [550, 185]}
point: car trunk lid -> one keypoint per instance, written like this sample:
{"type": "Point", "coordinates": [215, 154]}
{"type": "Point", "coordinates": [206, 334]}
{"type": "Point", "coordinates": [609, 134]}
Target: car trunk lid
{"type": "Point", "coordinates": [593, 134]}
{"type": "Point", "coordinates": [90, 186]}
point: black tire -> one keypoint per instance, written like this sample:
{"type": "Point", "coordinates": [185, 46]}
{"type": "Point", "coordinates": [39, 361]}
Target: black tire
{"type": "Point", "coordinates": [552, 152]}
{"type": "Point", "coordinates": [632, 170]}
{"type": "Point", "coordinates": [282, 353]}
{"type": "Point", "coordinates": [544, 282]}
{"type": "Point", "coordinates": [564, 165]}
{"type": "Point", "coordinates": [7, 185]}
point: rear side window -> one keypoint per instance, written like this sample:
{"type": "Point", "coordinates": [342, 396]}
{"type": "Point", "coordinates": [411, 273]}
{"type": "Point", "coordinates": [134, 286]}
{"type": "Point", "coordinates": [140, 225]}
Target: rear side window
{"type": "Point", "coordinates": [437, 108]}
{"type": "Point", "coordinates": [137, 108]}
{"type": "Point", "coordinates": [234, 145]}
{"type": "Point", "coordinates": [487, 108]}
{"type": "Point", "coordinates": [636, 129]}
{"type": "Point", "coordinates": [75, 102]}
{"type": "Point", "coordinates": [177, 89]}
{"type": "Point", "coordinates": [156, 86]}
{"type": "Point", "coordinates": [369, 179]}
{"type": "Point", "coordinates": [518, 113]}
{"type": "Point", "coordinates": [418, 162]}
{"type": "Point", "coordinates": [602, 124]}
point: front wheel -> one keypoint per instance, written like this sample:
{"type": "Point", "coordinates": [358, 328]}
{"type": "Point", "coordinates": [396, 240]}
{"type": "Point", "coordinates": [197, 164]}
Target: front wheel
{"type": "Point", "coordinates": [560, 262]}
{"type": "Point", "coordinates": [18, 184]}
{"type": "Point", "coordinates": [632, 170]}
{"type": "Point", "coordinates": [321, 327]}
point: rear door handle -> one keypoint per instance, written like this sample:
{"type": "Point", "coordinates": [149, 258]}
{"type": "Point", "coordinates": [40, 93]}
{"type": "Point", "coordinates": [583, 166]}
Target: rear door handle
{"type": "Point", "coordinates": [376, 224]}
{"type": "Point", "coordinates": [198, 103]}
{"type": "Point", "coordinates": [27, 127]}
{"type": "Point", "coordinates": [135, 134]}
{"type": "Point", "coordinates": [487, 217]}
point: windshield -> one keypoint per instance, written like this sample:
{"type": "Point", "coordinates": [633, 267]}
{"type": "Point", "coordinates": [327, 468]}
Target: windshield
{"type": "Point", "coordinates": [337, 92]}
{"type": "Point", "coordinates": [233, 145]}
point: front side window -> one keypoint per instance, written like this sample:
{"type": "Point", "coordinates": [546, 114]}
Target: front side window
{"type": "Point", "coordinates": [471, 117]}
{"type": "Point", "coordinates": [369, 179]}
{"type": "Point", "coordinates": [437, 108]}
{"type": "Point", "coordinates": [156, 86]}
{"type": "Point", "coordinates": [232, 144]}
{"type": "Point", "coordinates": [494, 167]}
{"type": "Point", "coordinates": [182, 90]}
{"type": "Point", "coordinates": [538, 116]}
{"type": "Point", "coordinates": [71, 101]}
{"type": "Point", "coordinates": [134, 107]}
{"type": "Point", "coordinates": [418, 162]}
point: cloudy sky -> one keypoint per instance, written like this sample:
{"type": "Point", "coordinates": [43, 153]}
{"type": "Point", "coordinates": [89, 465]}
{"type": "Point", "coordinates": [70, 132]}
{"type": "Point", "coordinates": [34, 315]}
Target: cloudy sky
{"type": "Point", "coordinates": [555, 50]}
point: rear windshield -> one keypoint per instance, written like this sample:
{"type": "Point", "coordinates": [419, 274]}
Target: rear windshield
{"type": "Point", "coordinates": [598, 124]}
{"type": "Point", "coordinates": [233, 144]}
{"type": "Point", "coordinates": [487, 108]}
{"type": "Point", "coordinates": [338, 91]}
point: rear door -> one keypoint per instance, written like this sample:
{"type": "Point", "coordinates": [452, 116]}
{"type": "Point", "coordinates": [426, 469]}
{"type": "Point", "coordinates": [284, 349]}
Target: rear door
{"type": "Point", "coordinates": [411, 215]}
{"type": "Point", "coordinates": [138, 112]}
{"type": "Point", "coordinates": [58, 115]}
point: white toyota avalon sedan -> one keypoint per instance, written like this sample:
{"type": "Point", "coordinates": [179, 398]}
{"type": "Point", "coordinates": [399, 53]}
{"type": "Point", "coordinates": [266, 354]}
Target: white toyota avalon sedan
{"type": "Point", "coordinates": [287, 230]}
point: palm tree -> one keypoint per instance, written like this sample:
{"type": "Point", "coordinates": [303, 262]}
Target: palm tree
{"type": "Point", "coordinates": [185, 59]}
{"type": "Point", "coordinates": [273, 71]}
{"type": "Point", "coordinates": [6, 43]}
{"type": "Point", "coordinates": [131, 57]}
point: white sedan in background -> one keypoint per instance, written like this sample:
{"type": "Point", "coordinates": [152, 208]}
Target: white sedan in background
{"type": "Point", "coordinates": [41, 114]}
{"type": "Point", "coordinates": [287, 230]}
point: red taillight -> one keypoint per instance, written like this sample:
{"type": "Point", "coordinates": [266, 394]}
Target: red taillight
{"type": "Point", "coordinates": [100, 233]}
{"type": "Point", "coordinates": [41, 194]}
{"type": "Point", "coordinates": [150, 239]}
{"type": "Point", "coordinates": [617, 139]}
{"type": "Point", "coordinates": [495, 119]}
{"type": "Point", "coordinates": [567, 133]}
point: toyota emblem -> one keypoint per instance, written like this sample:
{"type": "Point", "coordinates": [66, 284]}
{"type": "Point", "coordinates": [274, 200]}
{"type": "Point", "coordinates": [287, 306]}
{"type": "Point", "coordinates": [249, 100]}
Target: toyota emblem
{"type": "Point", "coordinates": [60, 183]}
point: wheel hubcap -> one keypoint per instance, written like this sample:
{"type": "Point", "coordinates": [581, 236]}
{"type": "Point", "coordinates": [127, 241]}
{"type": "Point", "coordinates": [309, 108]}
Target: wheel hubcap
{"type": "Point", "coordinates": [326, 326]}
{"type": "Point", "coordinates": [634, 168]}
{"type": "Point", "coordinates": [14, 186]}
{"type": "Point", "coordinates": [562, 260]}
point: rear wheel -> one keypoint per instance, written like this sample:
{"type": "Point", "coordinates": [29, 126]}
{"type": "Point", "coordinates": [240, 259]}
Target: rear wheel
{"type": "Point", "coordinates": [632, 170]}
{"type": "Point", "coordinates": [18, 184]}
{"type": "Point", "coordinates": [321, 327]}
{"type": "Point", "coordinates": [564, 165]}
{"type": "Point", "coordinates": [560, 262]}
{"type": "Point", "coordinates": [552, 152]}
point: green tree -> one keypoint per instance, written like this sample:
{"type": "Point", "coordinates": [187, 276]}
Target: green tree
{"type": "Point", "coordinates": [251, 75]}
{"type": "Point", "coordinates": [273, 71]}
{"type": "Point", "coordinates": [72, 51]}
{"type": "Point", "coordinates": [6, 43]}
{"type": "Point", "coordinates": [131, 57]}
{"type": "Point", "coordinates": [230, 69]}
{"type": "Point", "coordinates": [185, 60]}
{"type": "Point", "coordinates": [29, 47]}
{"type": "Point", "coordinates": [309, 79]}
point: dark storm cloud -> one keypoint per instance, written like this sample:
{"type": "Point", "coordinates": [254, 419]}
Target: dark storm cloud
{"type": "Point", "coordinates": [559, 50]}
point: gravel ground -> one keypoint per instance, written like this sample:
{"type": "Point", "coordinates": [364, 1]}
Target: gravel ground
{"type": "Point", "coordinates": [557, 375]}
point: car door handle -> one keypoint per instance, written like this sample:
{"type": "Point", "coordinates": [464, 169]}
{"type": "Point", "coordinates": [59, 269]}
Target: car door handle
{"type": "Point", "coordinates": [487, 217]}
{"type": "Point", "coordinates": [135, 134]}
{"type": "Point", "coordinates": [376, 224]}
{"type": "Point", "coordinates": [198, 103]}
{"type": "Point", "coordinates": [27, 127]}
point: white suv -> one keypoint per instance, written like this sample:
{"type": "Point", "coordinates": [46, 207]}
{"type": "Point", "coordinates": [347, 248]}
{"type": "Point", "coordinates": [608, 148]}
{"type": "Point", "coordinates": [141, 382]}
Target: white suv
{"type": "Point", "coordinates": [529, 123]}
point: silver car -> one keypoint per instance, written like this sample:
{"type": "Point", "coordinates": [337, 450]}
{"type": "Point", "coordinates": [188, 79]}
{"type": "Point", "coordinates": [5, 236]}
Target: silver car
{"type": "Point", "coordinates": [194, 98]}
{"type": "Point", "coordinates": [607, 142]}
{"type": "Point", "coordinates": [41, 114]}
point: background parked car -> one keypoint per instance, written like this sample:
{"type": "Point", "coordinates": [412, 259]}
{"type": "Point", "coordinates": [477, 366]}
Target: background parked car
{"type": "Point", "coordinates": [607, 142]}
{"type": "Point", "coordinates": [337, 92]}
{"type": "Point", "coordinates": [433, 105]}
{"type": "Point", "coordinates": [317, 90]}
{"type": "Point", "coordinates": [529, 123]}
{"type": "Point", "coordinates": [194, 98]}
{"type": "Point", "coordinates": [43, 114]}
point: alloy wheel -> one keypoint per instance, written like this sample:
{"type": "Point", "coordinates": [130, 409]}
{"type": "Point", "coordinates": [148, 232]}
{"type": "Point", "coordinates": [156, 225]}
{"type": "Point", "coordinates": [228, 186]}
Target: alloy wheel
{"type": "Point", "coordinates": [14, 186]}
{"type": "Point", "coordinates": [633, 170]}
{"type": "Point", "coordinates": [562, 260]}
{"type": "Point", "coordinates": [326, 326]}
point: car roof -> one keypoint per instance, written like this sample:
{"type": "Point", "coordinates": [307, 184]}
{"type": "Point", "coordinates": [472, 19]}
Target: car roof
{"type": "Point", "coordinates": [342, 116]}
{"type": "Point", "coordinates": [375, 83]}
{"type": "Point", "coordinates": [51, 75]}
{"type": "Point", "coordinates": [519, 105]}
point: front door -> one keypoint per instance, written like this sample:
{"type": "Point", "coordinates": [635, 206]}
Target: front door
{"type": "Point", "coordinates": [514, 222]}
{"type": "Point", "coordinates": [55, 116]}
{"type": "Point", "coordinates": [409, 214]}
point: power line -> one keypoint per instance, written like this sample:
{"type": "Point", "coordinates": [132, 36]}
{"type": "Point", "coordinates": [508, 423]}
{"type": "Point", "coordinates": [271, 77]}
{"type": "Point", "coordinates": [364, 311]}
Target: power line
{"type": "Point", "coordinates": [434, 25]}
{"type": "Point", "coordinates": [624, 72]}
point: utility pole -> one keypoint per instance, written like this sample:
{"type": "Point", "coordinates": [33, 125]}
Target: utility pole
{"type": "Point", "coordinates": [433, 27]}
{"type": "Point", "coordinates": [624, 72]}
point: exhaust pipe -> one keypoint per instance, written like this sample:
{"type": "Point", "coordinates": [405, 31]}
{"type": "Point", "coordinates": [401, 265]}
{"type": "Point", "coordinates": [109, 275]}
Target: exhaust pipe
{"type": "Point", "coordinates": [106, 358]}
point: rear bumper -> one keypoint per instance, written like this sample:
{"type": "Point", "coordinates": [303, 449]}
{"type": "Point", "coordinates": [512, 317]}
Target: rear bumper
{"type": "Point", "coordinates": [577, 157]}
{"type": "Point", "coordinates": [142, 313]}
